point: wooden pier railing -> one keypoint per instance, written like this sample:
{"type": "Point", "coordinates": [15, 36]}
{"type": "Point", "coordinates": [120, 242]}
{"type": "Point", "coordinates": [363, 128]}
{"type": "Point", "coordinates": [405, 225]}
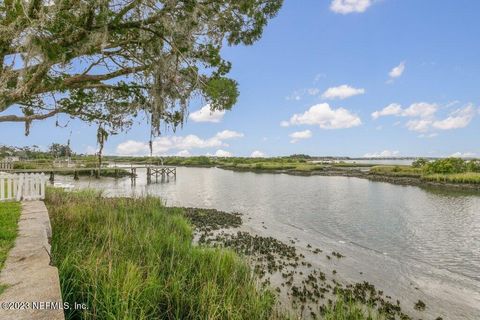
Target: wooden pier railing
{"type": "Point", "coordinates": [6, 165]}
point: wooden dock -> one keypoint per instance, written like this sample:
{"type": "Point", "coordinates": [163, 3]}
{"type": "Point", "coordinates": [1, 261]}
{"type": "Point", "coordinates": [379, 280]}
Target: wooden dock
{"type": "Point", "coordinates": [154, 172]}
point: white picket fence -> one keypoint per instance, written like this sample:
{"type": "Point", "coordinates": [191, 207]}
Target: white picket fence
{"type": "Point", "coordinates": [22, 186]}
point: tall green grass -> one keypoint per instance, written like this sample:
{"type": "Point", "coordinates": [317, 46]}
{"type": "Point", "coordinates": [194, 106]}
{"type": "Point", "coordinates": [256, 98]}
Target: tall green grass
{"type": "Point", "coordinates": [466, 177]}
{"type": "Point", "coordinates": [9, 214]}
{"type": "Point", "coordinates": [134, 259]}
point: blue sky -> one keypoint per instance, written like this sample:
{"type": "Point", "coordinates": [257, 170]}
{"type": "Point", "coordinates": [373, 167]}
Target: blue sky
{"type": "Point", "coordinates": [331, 77]}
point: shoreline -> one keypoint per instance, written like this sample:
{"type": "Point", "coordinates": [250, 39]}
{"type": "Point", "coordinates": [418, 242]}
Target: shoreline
{"type": "Point", "coordinates": [354, 173]}
{"type": "Point", "coordinates": [309, 277]}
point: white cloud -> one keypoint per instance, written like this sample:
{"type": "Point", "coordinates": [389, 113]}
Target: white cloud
{"type": "Point", "coordinates": [350, 6]}
{"type": "Point", "coordinates": [298, 135]}
{"type": "Point", "coordinates": [397, 71]}
{"type": "Point", "coordinates": [164, 144]}
{"type": "Point", "coordinates": [228, 134]}
{"type": "Point", "coordinates": [460, 118]}
{"type": "Point", "coordinates": [205, 114]}
{"type": "Point", "coordinates": [382, 154]}
{"type": "Point", "coordinates": [223, 154]}
{"type": "Point", "coordinates": [325, 117]}
{"type": "Point", "coordinates": [392, 109]}
{"type": "Point", "coordinates": [463, 155]}
{"type": "Point", "coordinates": [298, 94]}
{"type": "Point", "coordinates": [284, 124]}
{"type": "Point", "coordinates": [131, 147]}
{"type": "Point", "coordinates": [183, 153]}
{"type": "Point", "coordinates": [457, 119]}
{"type": "Point", "coordinates": [419, 125]}
{"type": "Point", "coordinates": [342, 92]}
{"type": "Point", "coordinates": [257, 154]}
{"type": "Point", "coordinates": [419, 109]}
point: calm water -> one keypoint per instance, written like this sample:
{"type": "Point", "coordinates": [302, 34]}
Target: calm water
{"type": "Point", "coordinates": [408, 231]}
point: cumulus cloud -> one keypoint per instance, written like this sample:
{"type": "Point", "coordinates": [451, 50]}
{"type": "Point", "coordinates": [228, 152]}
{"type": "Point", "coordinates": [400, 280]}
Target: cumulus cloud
{"type": "Point", "coordinates": [342, 92]}
{"type": "Point", "coordinates": [463, 155]}
{"type": "Point", "coordinates": [325, 117]}
{"type": "Point", "coordinates": [382, 154]}
{"type": "Point", "coordinates": [223, 154]}
{"type": "Point", "coordinates": [228, 134]}
{"type": "Point", "coordinates": [298, 135]}
{"type": "Point", "coordinates": [419, 125]}
{"type": "Point", "coordinates": [205, 114]}
{"type": "Point", "coordinates": [164, 144]}
{"type": "Point", "coordinates": [460, 118]}
{"type": "Point", "coordinates": [392, 109]}
{"type": "Point", "coordinates": [183, 153]}
{"type": "Point", "coordinates": [350, 6]}
{"type": "Point", "coordinates": [397, 71]}
{"type": "Point", "coordinates": [419, 109]}
{"type": "Point", "coordinates": [457, 119]}
{"type": "Point", "coordinates": [257, 154]}
{"type": "Point", "coordinates": [131, 147]}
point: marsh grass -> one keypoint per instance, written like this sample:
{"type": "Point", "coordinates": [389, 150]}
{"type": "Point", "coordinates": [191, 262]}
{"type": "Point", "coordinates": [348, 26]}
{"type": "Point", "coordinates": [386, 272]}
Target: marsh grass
{"type": "Point", "coordinates": [466, 177]}
{"type": "Point", "coordinates": [397, 171]}
{"type": "Point", "coordinates": [134, 259]}
{"type": "Point", "coordinates": [9, 215]}
{"type": "Point", "coordinates": [408, 171]}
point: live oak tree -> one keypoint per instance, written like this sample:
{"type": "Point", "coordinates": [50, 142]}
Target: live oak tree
{"type": "Point", "coordinates": [107, 62]}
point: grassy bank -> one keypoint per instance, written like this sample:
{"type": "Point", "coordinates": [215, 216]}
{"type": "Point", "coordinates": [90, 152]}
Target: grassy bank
{"type": "Point", "coordinates": [291, 163]}
{"type": "Point", "coordinates": [449, 170]}
{"type": "Point", "coordinates": [9, 214]}
{"type": "Point", "coordinates": [397, 171]}
{"type": "Point", "coordinates": [133, 259]}
{"type": "Point", "coordinates": [104, 172]}
{"type": "Point", "coordinates": [457, 178]}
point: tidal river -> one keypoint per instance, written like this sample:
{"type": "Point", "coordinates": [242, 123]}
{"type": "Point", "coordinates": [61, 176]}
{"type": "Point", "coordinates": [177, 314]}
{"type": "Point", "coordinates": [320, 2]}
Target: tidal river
{"type": "Point", "coordinates": [411, 242]}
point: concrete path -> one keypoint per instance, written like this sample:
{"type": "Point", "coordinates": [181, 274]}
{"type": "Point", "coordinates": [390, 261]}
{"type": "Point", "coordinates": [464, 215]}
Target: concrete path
{"type": "Point", "coordinates": [33, 284]}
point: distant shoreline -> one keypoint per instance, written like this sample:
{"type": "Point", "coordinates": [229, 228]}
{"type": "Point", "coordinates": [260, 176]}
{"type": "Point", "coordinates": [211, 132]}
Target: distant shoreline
{"type": "Point", "coordinates": [354, 173]}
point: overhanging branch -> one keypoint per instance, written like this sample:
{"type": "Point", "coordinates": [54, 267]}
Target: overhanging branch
{"type": "Point", "coordinates": [15, 118]}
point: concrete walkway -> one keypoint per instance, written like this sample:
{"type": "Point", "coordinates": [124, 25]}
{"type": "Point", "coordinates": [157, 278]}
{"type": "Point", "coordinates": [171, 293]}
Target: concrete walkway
{"type": "Point", "coordinates": [33, 284]}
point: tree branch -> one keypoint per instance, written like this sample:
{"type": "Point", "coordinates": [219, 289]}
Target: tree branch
{"type": "Point", "coordinates": [14, 118]}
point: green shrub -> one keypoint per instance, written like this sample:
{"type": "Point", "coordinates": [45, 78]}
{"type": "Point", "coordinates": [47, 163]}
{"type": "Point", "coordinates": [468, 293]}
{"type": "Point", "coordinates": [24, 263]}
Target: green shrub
{"type": "Point", "coordinates": [447, 165]}
{"type": "Point", "coordinates": [419, 163]}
